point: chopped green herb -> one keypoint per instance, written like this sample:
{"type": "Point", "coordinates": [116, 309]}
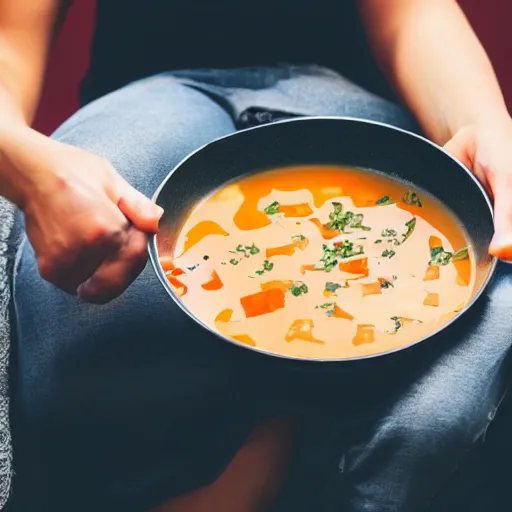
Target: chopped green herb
{"type": "Point", "coordinates": [388, 232]}
{"type": "Point", "coordinates": [328, 306]}
{"type": "Point", "coordinates": [272, 208]}
{"type": "Point", "coordinates": [388, 253]}
{"type": "Point", "coordinates": [260, 272]}
{"type": "Point", "coordinates": [298, 238]}
{"type": "Point", "coordinates": [233, 261]}
{"type": "Point", "coordinates": [378, 241]}
{"type": "Point", "coordinates": [384, 283]}
{"type": "Point", "coordinates": [461, 254]}
{"type": "Point", "coordinates": [206, 257]}
{"type": "Point", "coordinates": [240, 248]}
{"type": "Point", "coordinates": [384, 201]}
{"type": "Point", "coordinates": [268, 265]}
{"type": "Point", "coordinates": [253, 249]}
{"type": "Point", "coordinates": [332, 254]}
{"type": "Point", "coordinates": [412, 198]}
{"type": "Point", "coordinates": [299, 288]}
{"type": "Point", "coordinates": [332, 287]}
{"type": "Point", "coordinates": [193, 267]}
{"type": "Point", "coordinates": [438, 256]}
{"type": "Point", "coordinates": [340, 220]}
{"type": "Point", "coordinates": [398, 324]}
{"type": "Point", "coordinates": [223, 263]}
{"type": "Point", "coordinates": [411, 224]}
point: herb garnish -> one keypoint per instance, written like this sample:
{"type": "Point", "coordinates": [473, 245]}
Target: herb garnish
{"type": "Point", "coordinates": [411, 224]}
{"type": "Point", "coordinates": [298, 238]}
{"type": "Point", "coordinates": [378, 241]}
{"type": "Point", "coordinates": [332, 287]}
{"type": "Point", "coordinates": [388, 253]}
{"type": "Point", "coordinates": [398, 324]}
{"type": "Point", "coordinates": [233, 261]}
{"type": "Point", "coordinates": [206, 257]}
{"type": "Point", "coordinates": [388, 232]}
{"type": "Point", "coordinates": [385, 200]}
{"type": "Point", "coordinates": [328, 306]}
{"type": "Point", "coordinates": [272, 208]}
{"type": "Point", "coordinates": [331, 255]}
{"type": "Point", "coordinates": [340, 220]}
{"type": "Point", "coordinates": [193, 267]}
{"type": "Point", "coordinates": [246, 250]}
{"type": "Point", "coordinates": [438, 256]}
{"type": "Point", "coordinates": [412, 198]}
{"type": "Point", "coordinates": [384, 283]}
{"type": "Point", "coordinates": [299, 288]}
{"type": "Point", "coordinates": [267, 267]}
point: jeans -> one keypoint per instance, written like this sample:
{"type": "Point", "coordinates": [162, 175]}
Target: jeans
{"type": "Point", "coordinates": [128, 404]}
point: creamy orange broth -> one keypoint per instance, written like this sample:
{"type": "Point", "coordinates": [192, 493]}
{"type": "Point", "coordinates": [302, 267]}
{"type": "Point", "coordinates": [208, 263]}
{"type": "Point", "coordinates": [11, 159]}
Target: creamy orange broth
{"type": "Point", "coordinates": [250, 262]}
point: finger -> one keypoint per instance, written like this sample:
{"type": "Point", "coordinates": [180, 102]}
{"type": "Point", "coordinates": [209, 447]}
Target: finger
{"type": "Point", "coordinates": [501, 244]}
{"type": "Point", "coordinates": [141, 211]}
{"type": "Point", "coordinates": [118, 271]}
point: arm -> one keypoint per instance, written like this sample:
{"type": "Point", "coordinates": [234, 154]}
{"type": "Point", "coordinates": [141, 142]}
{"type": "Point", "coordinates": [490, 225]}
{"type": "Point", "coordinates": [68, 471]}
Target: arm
{"type": "Point", "coordinates": [433, 58]}
{"type": "Point", "coordinates": [86, 224]}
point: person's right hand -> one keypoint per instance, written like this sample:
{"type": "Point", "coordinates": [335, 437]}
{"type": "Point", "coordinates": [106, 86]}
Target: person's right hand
{"type": "Point", "coordinates": [87, 225]}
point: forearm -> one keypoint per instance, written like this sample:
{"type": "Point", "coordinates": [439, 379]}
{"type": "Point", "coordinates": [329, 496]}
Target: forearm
{"type": "Point", "coordinates": [26, 29]}
{"type": "Point", "coordinates": [433, 58]}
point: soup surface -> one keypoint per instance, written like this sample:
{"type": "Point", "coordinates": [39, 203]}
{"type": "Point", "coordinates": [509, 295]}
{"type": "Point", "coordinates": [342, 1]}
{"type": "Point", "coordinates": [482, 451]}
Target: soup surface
{"type": "Point", "coordinates": [322, 262]}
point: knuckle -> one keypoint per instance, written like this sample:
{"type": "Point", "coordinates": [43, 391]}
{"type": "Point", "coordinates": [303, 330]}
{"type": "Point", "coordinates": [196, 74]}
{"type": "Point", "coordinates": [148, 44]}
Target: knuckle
{"type": "Point", "coordinates": [47, 268]}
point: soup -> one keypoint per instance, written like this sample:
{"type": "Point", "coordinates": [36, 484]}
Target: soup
{"type": "Point", "coordinates": [322, 262]}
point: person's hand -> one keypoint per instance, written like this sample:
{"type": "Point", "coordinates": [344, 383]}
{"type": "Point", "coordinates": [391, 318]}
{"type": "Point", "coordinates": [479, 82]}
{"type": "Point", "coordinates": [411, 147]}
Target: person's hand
{"type": "Point", "coordinates": [87, 225]}
{"type": "Point", "coordinates": [487, 151]}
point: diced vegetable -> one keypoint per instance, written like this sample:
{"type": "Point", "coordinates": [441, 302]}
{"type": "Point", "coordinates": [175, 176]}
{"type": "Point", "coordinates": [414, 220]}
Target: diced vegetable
{"type": "Point", "coordinates": [340, 313]}
{"type": "Point", "coordinates": [180, 288]}
{"type": "Point", "coordinates": [282, 285]}
{"type": "Point", "coordinates": [432, 299]}
{"type": "Point", "coordinates": [327, 234]}
{"type": "Point", "coordinates": [302, 330]}
{"type": "Point", "coordinates": [371, 289]}
{"type": "Point", "coordinates": [358, 266]}
{"type": "Point", "coordinates": [244, 338]}
{"type": "Point", "coordinates": [214, 283]}
{"type": "Point", "coordinates": [200, 231]}
{"type": "Point", "coordinates": [434, 242]}
{"type": "Point", "coordinates": [365, 334]}
{"type": "Point", "coordinates": [296, 210]}
{"type": "Point", "coordinates": [262, 303]}
{"type": "Point", "coordinates": [167, 263]}
{"type": "Point", "coordinates": [283, 250]}
{"type": "Point", "coordinates": [224, 316]}
{"type": "Point", "coordinates": [432, 273]}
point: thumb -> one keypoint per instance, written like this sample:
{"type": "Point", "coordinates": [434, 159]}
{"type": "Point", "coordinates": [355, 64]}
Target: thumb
{"type": "Point", "coordinates": [461, 147]}
{"type": "Point", "coordinates": [139, 210]}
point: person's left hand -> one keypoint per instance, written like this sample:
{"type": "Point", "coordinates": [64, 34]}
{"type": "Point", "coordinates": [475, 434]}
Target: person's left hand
{"type": "Point", "coordinates": [487, 151]}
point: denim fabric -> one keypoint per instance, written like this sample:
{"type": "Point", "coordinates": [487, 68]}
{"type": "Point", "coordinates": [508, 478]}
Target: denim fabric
{"type": "Point", "coordinates": [122, 406]}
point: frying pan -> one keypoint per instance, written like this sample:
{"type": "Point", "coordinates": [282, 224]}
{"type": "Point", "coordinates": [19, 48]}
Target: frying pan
{"type": "Point", "coordinates": [325, 141]}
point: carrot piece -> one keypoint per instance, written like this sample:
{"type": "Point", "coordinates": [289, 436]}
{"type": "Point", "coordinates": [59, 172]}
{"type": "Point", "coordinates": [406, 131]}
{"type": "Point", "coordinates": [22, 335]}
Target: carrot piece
{"type": "Point", "coordinates": [432, 273]}
{"type": "Point", "coordinates": [365, 334]}
{"type": "Point", "coordinates": [214, 283]}
{"type": "Point", "coordinates": [359, 266]}
{"type": "Point", "coordinates": [308, 268]}
{"type": "Point", "coordinates": [295, 210]}
{"type": "Point", "coordinates": [200, 231]}
{"type": "Point", "coordinates": [262, 303]}
{"type": "Point", "coordinates": [281, 285]}
{"type": "Point", "coordinates": [340, 313]}
{"type": "Point", "coordinates": [302, 330]}
{"type": "Point", "coordinates": [371, 289]}
{"type": "Point", "coordinates": [302, 243]}
{"type": "Point", "coordinates": [434, 241]}
{"type": "Point", "coordinates": [463, 268]}
{"type": "Point", "coordinates": [244, 338]}
{"type": "Point", "coordinates": [283, 250]}
{"type": "Point", "coordinates": [327, 234]}
{"type": "Point", "coordinates": [432, 299]}
{"type": "Point", "coordinates": [167, 263]}
{"type": "Point", "coordinates": [180, 288]}
{"type": "Point", "coordinates": [224, 316]}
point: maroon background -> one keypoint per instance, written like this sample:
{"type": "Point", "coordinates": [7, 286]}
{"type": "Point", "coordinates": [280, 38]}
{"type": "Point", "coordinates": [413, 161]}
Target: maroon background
{"type": "Point", "coordinates": [490, 18]}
